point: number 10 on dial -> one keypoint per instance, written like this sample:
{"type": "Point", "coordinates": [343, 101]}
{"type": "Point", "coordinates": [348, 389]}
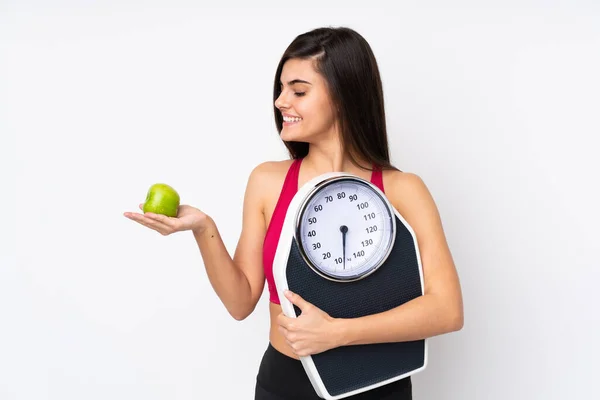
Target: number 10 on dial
{"type": "Point", "coordinates": [345, 229]}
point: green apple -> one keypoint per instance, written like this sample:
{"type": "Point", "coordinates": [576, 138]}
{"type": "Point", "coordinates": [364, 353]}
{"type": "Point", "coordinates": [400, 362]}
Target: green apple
{"type": "Point", "coordinates": [162, 199]}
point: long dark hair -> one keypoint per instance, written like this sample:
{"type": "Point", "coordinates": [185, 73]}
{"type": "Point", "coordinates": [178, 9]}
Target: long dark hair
{"type": "Point", "coordinates": [346, 61]}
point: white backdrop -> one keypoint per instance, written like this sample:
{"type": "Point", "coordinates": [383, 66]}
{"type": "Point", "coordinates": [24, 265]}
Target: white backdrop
{"type": "Point", "coordinates": [494, 104]}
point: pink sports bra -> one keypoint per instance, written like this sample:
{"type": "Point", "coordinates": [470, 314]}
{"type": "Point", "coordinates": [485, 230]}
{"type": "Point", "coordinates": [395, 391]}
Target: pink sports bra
{"type": "Point", "coordinates": [288, 191]}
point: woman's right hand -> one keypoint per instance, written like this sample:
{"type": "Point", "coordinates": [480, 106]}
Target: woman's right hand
{"type": "Point", "coordinates": [188, 218]}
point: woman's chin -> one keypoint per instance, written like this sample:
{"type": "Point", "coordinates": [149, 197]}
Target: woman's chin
{"type": "Point", "coordinates": [287, 137]}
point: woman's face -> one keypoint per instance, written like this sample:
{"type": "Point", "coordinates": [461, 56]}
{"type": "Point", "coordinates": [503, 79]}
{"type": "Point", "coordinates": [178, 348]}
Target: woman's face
{"type": "Point", "coordinates": [304, 103]}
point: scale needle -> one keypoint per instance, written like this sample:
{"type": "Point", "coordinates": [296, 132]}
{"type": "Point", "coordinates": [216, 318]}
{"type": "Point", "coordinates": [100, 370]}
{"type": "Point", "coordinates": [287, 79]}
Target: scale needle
{"type": "Point", "coordinates": [344, 230]}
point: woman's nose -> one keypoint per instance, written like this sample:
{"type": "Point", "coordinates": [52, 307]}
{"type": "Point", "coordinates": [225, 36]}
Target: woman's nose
{"type": "Point", "coordinates": [281, 102]}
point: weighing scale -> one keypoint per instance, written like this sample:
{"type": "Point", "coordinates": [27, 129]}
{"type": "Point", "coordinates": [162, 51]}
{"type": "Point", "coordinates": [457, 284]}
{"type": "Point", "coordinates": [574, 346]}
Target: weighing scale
{"type": "Point", "coordinates": [348, 251]}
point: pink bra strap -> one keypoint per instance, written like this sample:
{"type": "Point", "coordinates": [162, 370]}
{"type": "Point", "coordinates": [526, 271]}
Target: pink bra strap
{"type": "Point", "coordinates": [294, 173]}
{"type": "Point", "coordinates": [377, 178]}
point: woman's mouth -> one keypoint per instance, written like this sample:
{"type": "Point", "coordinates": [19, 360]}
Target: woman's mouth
{"type": "Point", "coordinates": [287, 121]}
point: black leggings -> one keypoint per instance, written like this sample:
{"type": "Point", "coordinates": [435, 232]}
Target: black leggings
{"type": "Point", "coordinates": [283, 378]}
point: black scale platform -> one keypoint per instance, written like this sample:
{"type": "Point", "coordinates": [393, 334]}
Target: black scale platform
{"type": "Point", "coordinates": [397, 281]}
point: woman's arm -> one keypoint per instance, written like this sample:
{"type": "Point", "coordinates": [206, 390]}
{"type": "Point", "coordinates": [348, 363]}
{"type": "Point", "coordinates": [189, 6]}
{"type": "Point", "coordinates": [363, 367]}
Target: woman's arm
{"type": "Point", "coordinates": [440, 309]}
{"type": "Point", "coordinates": [238, 281]}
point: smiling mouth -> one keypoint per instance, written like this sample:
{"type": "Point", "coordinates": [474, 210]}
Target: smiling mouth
{"type": "Point", "coordinates": [291, 120]}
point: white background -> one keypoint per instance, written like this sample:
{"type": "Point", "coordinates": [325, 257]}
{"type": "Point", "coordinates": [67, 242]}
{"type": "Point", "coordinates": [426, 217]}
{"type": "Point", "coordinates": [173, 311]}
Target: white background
{"type": "Point", "coordinates": [494, 104]}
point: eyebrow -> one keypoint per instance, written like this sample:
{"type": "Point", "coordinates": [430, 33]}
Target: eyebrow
{"type": "Point", "coordinates": [294, 81]}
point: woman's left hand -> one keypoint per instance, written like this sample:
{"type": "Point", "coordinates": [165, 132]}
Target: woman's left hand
{"type": "Point", "coordinates": [314, 331]}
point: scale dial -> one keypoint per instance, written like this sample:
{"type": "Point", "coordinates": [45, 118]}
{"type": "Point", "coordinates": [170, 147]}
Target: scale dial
{"type": "Point", "coordinates": [345, 228]}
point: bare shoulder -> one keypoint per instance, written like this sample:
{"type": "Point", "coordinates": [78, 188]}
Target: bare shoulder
{"type": "Point", "coordinates": [267, 178]}
{"type": "Point", "coordinates": [271, 169]}
{"type": "Point", "coordinates": [402, 185]}
{"type": "Point", "coordinates": [409, 194]}
{"type": "Point", "coordinates": [269, 173]}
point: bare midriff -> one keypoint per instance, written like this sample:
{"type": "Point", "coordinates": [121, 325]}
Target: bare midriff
{"type": "Point", "coordinates": [275, 337]}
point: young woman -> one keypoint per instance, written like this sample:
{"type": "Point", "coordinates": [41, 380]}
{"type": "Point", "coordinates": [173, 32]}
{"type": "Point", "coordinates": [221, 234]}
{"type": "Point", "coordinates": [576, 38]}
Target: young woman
{"type": "Point", "coordinates": [329, 112]}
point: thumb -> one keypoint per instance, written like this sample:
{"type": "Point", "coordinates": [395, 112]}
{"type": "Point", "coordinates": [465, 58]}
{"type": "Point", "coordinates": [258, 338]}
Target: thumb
{"type": "Point", "coordinates": [141, 206]}
{"type": "Point", "coordinates": [297, 300]}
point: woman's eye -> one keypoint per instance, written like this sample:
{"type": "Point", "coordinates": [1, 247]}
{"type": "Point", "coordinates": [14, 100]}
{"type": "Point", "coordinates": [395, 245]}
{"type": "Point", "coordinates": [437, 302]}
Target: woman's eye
{"type": "Point", "coordinates": [300, 93]}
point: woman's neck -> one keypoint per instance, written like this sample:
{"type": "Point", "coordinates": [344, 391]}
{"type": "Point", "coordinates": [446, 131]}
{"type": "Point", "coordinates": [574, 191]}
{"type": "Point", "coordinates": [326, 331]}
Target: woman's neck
{"type": "Point", "coordinates": [330, 157]}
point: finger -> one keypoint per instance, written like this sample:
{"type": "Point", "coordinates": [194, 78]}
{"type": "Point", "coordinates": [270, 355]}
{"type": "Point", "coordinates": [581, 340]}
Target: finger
{"type": "Point", "coordinates": [291, 324]}
{"type": "Point", "coordinates": [297, 300]}
{"type": "Point", "coordinates": [303, 352]}
{"type": "Point", "coordinates": [171, 224]}
{"type": "Point", "coordinates": [144, 222]}
{"type": "Point", "coordinates": [291, 343]}
{"type": "Point", "coordinates": [283, 331]}
{"type": "Point", "coordinates": [299, 348]}
{"type": "Point", "coordinates": [149, 223]}
{"type": "Point", "coordinates": [292, 346]}
{"type": "Point", "coordinates": [141, 206]}
{"type": "Point", "coordinates": [282, 320]}
{"type": "Point", "coordinates": [160, 218]}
